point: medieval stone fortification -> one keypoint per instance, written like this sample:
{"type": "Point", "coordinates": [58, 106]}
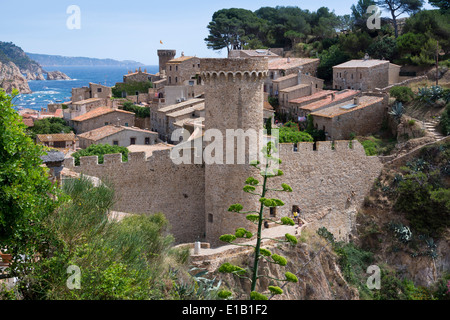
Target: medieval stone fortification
{"type": "Point", "coordinates": [329, 179]}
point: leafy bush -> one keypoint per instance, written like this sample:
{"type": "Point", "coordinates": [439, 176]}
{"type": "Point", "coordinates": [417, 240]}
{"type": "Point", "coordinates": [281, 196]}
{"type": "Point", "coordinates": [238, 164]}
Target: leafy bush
{"type": "Point", "coordinates": [49, 126]}
{"type": "Point", "coordinates": [444, 122]}
{"type": "Point", "coordinates": [289, 134]}
{"type": "Point", "coordinates": [375, 146]}
{"type": "Point", "coordinates": [129, 259]}
{"type": "Point", "coordinates": [402, 94]}
{"type": "Point", "coordinates": [100, 150]}
{"type": "Point", "coordinates": [140, 112]}
{"type": "Point", "coordinates": [130, 88]}
{"type": "Point", "coordinates": [423, 193]}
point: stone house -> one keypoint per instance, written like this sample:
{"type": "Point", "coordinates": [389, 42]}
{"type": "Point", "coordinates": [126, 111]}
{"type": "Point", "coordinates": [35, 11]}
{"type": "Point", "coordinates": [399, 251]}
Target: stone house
{"type": "Point", "coordinates": [364, 75]}
{"type": "Point", "coordinates": [78, 108]}
{"type": "Point", "coordinates": [184, 70]}
{"type": "Point", "coordinates": [100, 117]}
{"type": "Point", "coordinates": [137, 76]}
{"type": "Point", "coordinates": [159, 121]}
{"type": "Point", "coordinates": [93, 91]}
{"type": "Point", "coordinates": [361, 115]}
{"type": "Point", "coordinates": [302, 108]}
{"type": "Point", "coordinates": [117, 135]}
{"type": "Point", "coordinates": [57, 140]}
{"type": "Point", "coordinates": [281, 67]}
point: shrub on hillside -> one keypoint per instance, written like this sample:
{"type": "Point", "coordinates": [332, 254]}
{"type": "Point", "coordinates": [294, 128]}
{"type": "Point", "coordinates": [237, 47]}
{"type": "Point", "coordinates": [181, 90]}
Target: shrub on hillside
{"type": "Point", "coordinates": [402, 94]}
{"type": "Point", "coordinates": [100, 150]}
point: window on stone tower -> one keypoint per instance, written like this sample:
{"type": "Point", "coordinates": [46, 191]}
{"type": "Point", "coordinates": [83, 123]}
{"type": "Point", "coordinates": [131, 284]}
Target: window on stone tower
{"type": "Point", "coordinates": [273, 212]}
{"type": "Point", "coordinates": [210, 218]}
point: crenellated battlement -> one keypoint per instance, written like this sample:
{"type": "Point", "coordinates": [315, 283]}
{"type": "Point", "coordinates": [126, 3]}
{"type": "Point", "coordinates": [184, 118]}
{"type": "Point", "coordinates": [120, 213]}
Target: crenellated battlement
{"type": "Point", "coordinates": [285, 149]}
{"type": "Point", "coordinates": [323, 147]}
{"type": "Point", "coordinates": [234, 70]}
{"type": "Point", "coordinates": [135, 159]}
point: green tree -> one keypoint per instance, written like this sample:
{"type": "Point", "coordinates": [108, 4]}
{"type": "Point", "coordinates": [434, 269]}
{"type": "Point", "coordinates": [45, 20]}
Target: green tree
{"type": "Point", "coordinates": [257, 217]}
{"type": "Point", "coordinates": [232, 29]}
{"type": "Point", "coordinates": [128, 260]}
{"type": "Point", "coordinates": [292, 134]}
{"type": "Point", "coordinates": [399, 7]}
{"type": "Point", "coordinates": [430, 24]}
{"type": "Point", "coordinates": [443, 5]}
{"type": "Point", "coordinates": [26, 194]}
{"type": "Point", "coordinates": [49, 126]}
{"type": "Point", "coordinates": [383, 48]}
{"type": "Point", "coordinates": [140, 112]}
{"type": "Point", "coordinates": [100, 150]}
{"type": "Point", "coordinates": [330, 58]}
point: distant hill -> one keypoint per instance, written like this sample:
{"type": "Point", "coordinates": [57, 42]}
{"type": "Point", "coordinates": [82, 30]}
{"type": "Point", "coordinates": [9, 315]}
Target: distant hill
{"type": "Point", "coordinates": [59, 61]}
{"type": "Point", "coordinates": [9, 52]}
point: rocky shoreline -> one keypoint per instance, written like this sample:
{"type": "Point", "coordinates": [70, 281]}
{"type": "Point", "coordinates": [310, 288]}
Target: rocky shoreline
{"type": "Point", "coordinates": [12, 78]}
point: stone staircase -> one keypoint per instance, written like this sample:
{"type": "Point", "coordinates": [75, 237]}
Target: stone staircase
{"type": "Point", "coordinates": [431, 127]}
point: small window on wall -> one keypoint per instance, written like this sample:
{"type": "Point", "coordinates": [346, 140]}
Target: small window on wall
{"type": "Point", "coordinates": [147, 140]}
{"type": "Point", "coordinates": [115, 142]}
{"type": "Point", "coordinates": [210, 218]}
{"type": "Point", "coordinates": [273, 212]}
{"type": "Point", "coordinates": [132, 141]}
{"type": "Point", "coordinates": [99, 89]}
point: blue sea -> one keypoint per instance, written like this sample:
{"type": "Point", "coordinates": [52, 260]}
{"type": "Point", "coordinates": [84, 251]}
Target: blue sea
{"type": "Point", "coordinates": [58, 91]}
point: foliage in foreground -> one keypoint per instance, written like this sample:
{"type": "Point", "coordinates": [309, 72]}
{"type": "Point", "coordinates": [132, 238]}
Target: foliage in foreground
{"type": "Point", "coordinates": [257, 217]}
{"type": "Point", "coordinates": [116, 260]}
{"type": "Point", "coordinates": [26, 195]}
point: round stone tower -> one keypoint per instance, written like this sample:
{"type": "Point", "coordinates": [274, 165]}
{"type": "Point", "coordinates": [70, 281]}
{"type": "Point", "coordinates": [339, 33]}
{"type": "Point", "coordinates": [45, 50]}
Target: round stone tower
{"type": "Point", "coordinates": [164, 57]}
{"type": "Point", "coordinates": [233, 100]}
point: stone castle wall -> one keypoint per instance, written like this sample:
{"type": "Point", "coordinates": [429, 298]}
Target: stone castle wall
{"type": "Point", "coordinates": [328, 185]}
{"type": "Point", "coordinates": [154, 185]}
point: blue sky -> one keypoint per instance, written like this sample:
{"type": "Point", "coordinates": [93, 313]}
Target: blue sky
{"type": "Point", "coordinates": [127, 30]}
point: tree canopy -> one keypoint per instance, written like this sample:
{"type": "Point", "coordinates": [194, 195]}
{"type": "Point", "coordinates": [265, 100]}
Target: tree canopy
{"type": "Point", "coordinates": [25, 190]}
{"type": "Point", "coordinates": [398, 7]}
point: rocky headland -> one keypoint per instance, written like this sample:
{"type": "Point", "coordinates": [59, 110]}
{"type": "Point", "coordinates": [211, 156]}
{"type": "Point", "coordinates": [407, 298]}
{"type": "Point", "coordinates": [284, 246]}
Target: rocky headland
{"type": "Point", "coordinates": [57, 75]}
{"type": "Point", "coordinates": [11, 78]}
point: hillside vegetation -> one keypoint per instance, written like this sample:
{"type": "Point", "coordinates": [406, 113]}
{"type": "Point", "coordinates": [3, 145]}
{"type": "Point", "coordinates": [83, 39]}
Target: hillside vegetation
{"type": "Point", "coordinates": [11, 52]}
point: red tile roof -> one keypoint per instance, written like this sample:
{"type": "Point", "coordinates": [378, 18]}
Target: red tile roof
{"type": "Point", "coordinates": [56, 137]}
{"type": "Point", "coordinates": [323, 102]}
{"type": "Point", "coordinates": [283, 64]}
{"type": "Point", "coordinates": [97, 112]}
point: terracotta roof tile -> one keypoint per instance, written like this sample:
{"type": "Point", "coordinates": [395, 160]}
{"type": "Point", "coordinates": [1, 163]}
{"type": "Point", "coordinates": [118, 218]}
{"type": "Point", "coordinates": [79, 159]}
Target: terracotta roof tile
{"type": "Point", "coordinates": [56, 137]}
{"type": "Point", "coordinates": [98, 112]}
{"type": "Point", "coordinates": [328, 99]}
{"type": "Point", "coordinates": [316, 95]}
{"type": "Point", "coordinates": [338, 109]}
{"type": "Point", "coordinates": [106, 131]}
{"type": "Point", "coordinates": [283, 64]}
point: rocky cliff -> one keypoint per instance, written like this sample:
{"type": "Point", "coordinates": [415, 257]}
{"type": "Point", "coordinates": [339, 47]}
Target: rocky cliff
{"type": "Point", "coordinates": [57, 75]}
{"type": "Point", "coordinates": [12, 53]}
{"type": "Point", "coordinates": [312, 260]}
{"type": "Point", "coordinates": [11, 78]}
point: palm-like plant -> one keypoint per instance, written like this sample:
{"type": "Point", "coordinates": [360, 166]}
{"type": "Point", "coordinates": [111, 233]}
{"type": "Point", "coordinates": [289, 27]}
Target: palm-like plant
{"type": "Point", "coordinates": [397, 110]}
